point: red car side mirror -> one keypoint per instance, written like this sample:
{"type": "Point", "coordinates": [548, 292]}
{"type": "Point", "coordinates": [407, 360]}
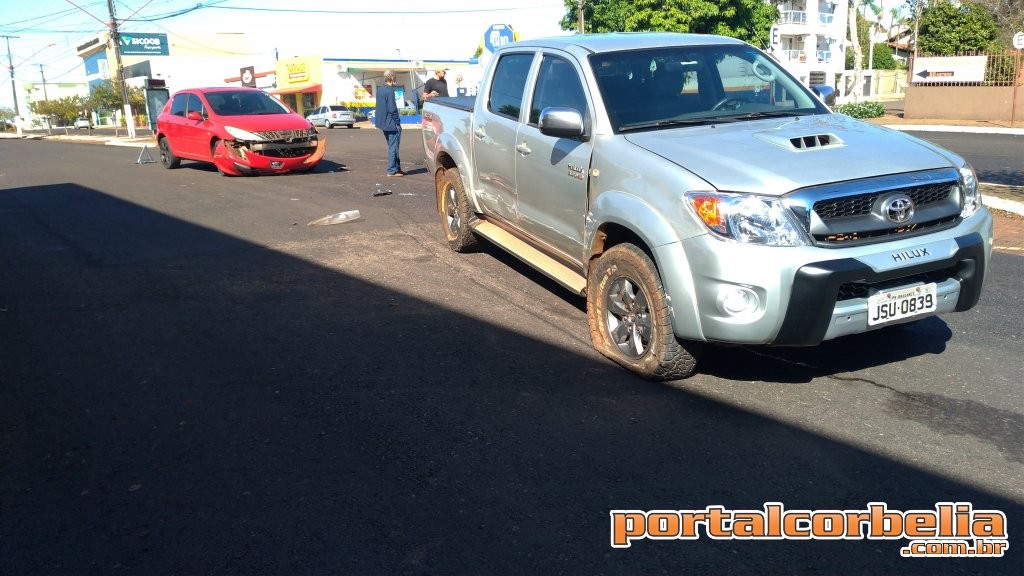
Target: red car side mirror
{"type": "Point", "coordinates": [193, 115]}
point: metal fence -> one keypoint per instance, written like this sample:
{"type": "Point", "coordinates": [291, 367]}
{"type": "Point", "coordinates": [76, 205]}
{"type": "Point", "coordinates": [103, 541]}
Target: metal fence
{"type": "Point", "coordinates": [1001, 68]}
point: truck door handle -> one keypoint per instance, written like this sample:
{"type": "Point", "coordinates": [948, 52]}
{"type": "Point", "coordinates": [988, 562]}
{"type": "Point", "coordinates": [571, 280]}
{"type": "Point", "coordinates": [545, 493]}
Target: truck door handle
{"type": "Point", "coordinates": [523, 148]}
{"type": "Point", "coordinates": [479, 133]}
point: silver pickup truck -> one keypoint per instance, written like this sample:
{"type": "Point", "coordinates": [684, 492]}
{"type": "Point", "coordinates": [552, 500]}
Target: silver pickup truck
{"type": "Point", "coordinates": [694, 191]}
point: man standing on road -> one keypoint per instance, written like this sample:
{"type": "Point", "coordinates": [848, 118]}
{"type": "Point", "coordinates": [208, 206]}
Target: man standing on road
{"type": "Point", "coordinates": [436, 86]}
{"type": "Point", "coordinates": [390, 122]}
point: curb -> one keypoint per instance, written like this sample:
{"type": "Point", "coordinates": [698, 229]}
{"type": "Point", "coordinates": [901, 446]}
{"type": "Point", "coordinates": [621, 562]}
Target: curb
{"type": "Point", "coordinates": [1003, 205]}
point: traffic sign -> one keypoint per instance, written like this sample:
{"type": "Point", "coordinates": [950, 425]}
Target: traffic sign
{"type": "Point", "coordinates": [1018, 40]}
{"type": "Point", "coordinates": [497, 36]}
{"type": "Point", "coordinates": [949, 69]}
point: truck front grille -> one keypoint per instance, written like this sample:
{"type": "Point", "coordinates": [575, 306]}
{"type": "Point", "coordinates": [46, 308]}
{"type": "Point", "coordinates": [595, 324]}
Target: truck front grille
{"type": "Point", "coordinates": [853, 212]}
{"type": "Point", "coordinates": [862, 204]}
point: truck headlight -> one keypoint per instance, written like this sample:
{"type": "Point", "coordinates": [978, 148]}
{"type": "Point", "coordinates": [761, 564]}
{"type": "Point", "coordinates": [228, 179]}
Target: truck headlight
{"type": "Point", "coordinates": [242, 134]}
{"type": "Point", "coordinates": [969, 191]}
{"type": "Point", "coordinates": [745, 218]}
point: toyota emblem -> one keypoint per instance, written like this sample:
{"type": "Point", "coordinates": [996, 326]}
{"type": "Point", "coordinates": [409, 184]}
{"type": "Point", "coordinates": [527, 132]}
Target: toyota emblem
{"type": "Point", "coordinates": [898, 209]}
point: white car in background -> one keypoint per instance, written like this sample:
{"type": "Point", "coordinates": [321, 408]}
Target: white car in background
{"type": "Point", "coordinates": [332, 115]}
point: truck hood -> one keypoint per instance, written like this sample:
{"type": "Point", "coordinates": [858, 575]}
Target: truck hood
{"type": "Point", "coordinates": [776, 156]}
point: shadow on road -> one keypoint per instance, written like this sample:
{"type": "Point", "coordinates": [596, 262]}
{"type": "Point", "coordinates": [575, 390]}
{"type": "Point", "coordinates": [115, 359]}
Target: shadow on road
{"type": "Point", "coordinates": [178, 401]}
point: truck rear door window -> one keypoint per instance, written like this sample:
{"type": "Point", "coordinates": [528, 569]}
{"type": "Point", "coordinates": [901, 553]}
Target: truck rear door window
{"type": "Point", "coordinates": [508, 85]}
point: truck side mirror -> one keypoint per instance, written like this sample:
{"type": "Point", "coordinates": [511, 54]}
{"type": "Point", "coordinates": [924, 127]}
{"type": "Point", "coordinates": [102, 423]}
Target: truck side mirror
{"type": "Point", "coordinates": [561, 122]}
{"type": "Point", "coordinates": [826, 93]}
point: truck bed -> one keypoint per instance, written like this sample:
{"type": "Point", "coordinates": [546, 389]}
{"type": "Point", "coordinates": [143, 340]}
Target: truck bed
{"type": "Point", "coordinates": [459, 102]}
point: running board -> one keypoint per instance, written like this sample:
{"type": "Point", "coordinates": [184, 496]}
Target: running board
{"type": "Point", "coordinates": [547, 265]}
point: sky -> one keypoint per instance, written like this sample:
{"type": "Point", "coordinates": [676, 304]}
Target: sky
{"type": "Point", "coordinates": [46, 32]}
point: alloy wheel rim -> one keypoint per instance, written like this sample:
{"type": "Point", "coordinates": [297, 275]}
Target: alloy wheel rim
{"type": "Point", "coordinates": [628, 317]}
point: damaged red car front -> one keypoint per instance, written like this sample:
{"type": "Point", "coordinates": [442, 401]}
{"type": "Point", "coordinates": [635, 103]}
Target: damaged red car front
{"type": "Point", "coordinates": [241, 131]}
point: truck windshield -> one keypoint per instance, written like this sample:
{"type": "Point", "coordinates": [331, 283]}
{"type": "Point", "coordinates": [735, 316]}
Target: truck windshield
{"type": "Point", "coordinates": [658, 87]}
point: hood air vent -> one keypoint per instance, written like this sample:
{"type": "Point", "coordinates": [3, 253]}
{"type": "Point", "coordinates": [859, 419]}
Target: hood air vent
{"type": "Point", "coordinates": [793, 141]}
{"type": "Point", "coordinates": [816, 141]}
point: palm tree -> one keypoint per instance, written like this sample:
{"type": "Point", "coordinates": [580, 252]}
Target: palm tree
{"type": "Point", "coordinates": [858, 54]}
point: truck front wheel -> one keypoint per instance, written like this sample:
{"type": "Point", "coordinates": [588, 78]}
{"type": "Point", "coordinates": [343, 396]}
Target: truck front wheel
{"type": "Point", "coordinates": [455, 212]}
{"type": "Point", "coordinates": [629, 316]}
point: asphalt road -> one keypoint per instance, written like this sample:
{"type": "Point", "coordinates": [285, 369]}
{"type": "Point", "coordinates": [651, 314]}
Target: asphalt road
{"type": "Point", "coordinates": [194, 381]}
{"type": "Point", "coordinates": [997, 158]}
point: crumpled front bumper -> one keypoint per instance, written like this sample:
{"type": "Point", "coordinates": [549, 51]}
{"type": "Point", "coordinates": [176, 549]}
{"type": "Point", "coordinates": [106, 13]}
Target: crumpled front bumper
{"type": "Point", "coordinates": [244, 158]}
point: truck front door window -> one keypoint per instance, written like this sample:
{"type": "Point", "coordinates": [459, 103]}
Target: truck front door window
{"type": "Point", "coordinates": [510, 74]}
{"type": "Point", "coordinates": [558, 84]}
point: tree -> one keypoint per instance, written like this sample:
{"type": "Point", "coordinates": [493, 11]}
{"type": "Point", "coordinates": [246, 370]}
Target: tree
{"type": "Point", "coordinates": [107, 96]}
{"type": "Point", "coordinates": [881, 53]}
{"type": "Point", "coordinates": [858, 54]}
{"type": "Point", "coordinates": [6, 118]}
{"type": "Point", "coordinates": [64, 110]}
{"type": "Point", "coordinates": [1008, 15]}
{"type": "Point", "coordinates": [748, 20]}
{"type": "Point", "coordinates": [946, 28]}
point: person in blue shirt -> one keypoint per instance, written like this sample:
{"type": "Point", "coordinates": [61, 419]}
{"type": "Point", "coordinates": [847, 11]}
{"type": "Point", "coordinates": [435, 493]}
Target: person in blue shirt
{"type": "Point", "coordinates": [390, 122]}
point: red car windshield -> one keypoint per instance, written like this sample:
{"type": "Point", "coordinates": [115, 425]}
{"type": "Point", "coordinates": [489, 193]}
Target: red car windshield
{"type": "Point", "coordinates": [244, 103]}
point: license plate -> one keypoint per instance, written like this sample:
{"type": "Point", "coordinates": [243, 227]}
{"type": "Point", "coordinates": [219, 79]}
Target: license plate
{"type": "Point", "coordinates": [903, 303]}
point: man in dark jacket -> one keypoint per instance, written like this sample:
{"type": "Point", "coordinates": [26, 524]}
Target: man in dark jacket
{"type": "Point", "coordinates": [390, 122]}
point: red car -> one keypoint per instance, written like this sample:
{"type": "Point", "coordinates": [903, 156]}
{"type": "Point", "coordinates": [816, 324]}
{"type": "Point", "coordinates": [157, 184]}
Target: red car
{"type": "Point", "coordinates": [240, 130]}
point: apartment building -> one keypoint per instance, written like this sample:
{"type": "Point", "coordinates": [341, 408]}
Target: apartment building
{"type": "Point", "coordinates": [810, 39]}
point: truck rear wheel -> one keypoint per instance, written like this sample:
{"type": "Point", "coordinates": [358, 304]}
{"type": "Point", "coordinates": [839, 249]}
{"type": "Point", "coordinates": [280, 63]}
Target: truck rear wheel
{"type": "Point", "coordinates": [455, 212]}
{"type": "Point", "coordinates": [629, 316]}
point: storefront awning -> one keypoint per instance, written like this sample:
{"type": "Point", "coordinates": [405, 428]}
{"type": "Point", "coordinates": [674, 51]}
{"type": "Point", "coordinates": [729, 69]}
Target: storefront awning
{"type": "Point", "coordinates": [301, 89]}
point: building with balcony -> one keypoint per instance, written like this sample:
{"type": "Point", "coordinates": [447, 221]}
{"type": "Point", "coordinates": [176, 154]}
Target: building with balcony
{"type": "Point", "coordinates": [810, 39]}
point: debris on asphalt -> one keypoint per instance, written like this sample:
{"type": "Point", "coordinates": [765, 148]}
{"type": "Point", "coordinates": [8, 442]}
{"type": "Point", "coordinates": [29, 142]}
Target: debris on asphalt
{"type": "Point", "coordinates": [347, 216]}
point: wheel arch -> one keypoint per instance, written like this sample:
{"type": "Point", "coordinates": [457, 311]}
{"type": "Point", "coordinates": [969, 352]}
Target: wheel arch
{"type": "Point", "coordinates": [620, 218]}
{"type": "Point", "coordinates": [443, 163]}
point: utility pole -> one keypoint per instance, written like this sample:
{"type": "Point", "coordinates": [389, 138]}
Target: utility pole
{"type": "Point", "coordinates": [579, 14]}
{"type": "Point", "coordinates": [10, 66]}
{"type": "Point", "coordinates": [115, 37]}
{"type": "Point", "coordinates": [43, 76]}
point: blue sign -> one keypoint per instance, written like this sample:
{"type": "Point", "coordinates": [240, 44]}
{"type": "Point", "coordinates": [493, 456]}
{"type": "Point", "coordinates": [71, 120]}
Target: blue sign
{"type": "Point", "coordinates": [142, 44]}
{"type": "Point", "coordinates": [497, 36]}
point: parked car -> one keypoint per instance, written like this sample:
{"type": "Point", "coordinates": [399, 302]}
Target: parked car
{"type": "Point", "coordinates": [242, 131]}
{"type": "Point", "coordinates": [333, 115]}
{"type": "Point", "coordinates": [83, 123]}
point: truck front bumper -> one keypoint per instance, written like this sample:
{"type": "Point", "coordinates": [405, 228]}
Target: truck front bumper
{"type": "Point", "coordinates": [802, 299]}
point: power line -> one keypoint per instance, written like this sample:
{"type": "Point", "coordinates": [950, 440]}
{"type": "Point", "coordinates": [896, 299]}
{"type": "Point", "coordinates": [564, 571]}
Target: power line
{"type": "Point", "coordinates": [376, 12]}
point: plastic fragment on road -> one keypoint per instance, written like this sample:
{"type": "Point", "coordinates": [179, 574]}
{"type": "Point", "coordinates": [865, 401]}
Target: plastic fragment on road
{"type": "Point", "coordinates": [340, 217]}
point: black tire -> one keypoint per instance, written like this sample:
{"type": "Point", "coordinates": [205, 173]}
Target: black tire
{"type": "Point", "coordinates": [455, 211]}
{"type": "Point", "coordinates": [629, 316]}
{"type": "Point", "coordinates": [167, 157]}
{"type": "Point", "coordinates": [329, 125]}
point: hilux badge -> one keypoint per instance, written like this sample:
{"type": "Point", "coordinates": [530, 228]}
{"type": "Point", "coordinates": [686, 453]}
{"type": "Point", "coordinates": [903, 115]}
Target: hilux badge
{"type": "Point", "coordinates": [898, 209]}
